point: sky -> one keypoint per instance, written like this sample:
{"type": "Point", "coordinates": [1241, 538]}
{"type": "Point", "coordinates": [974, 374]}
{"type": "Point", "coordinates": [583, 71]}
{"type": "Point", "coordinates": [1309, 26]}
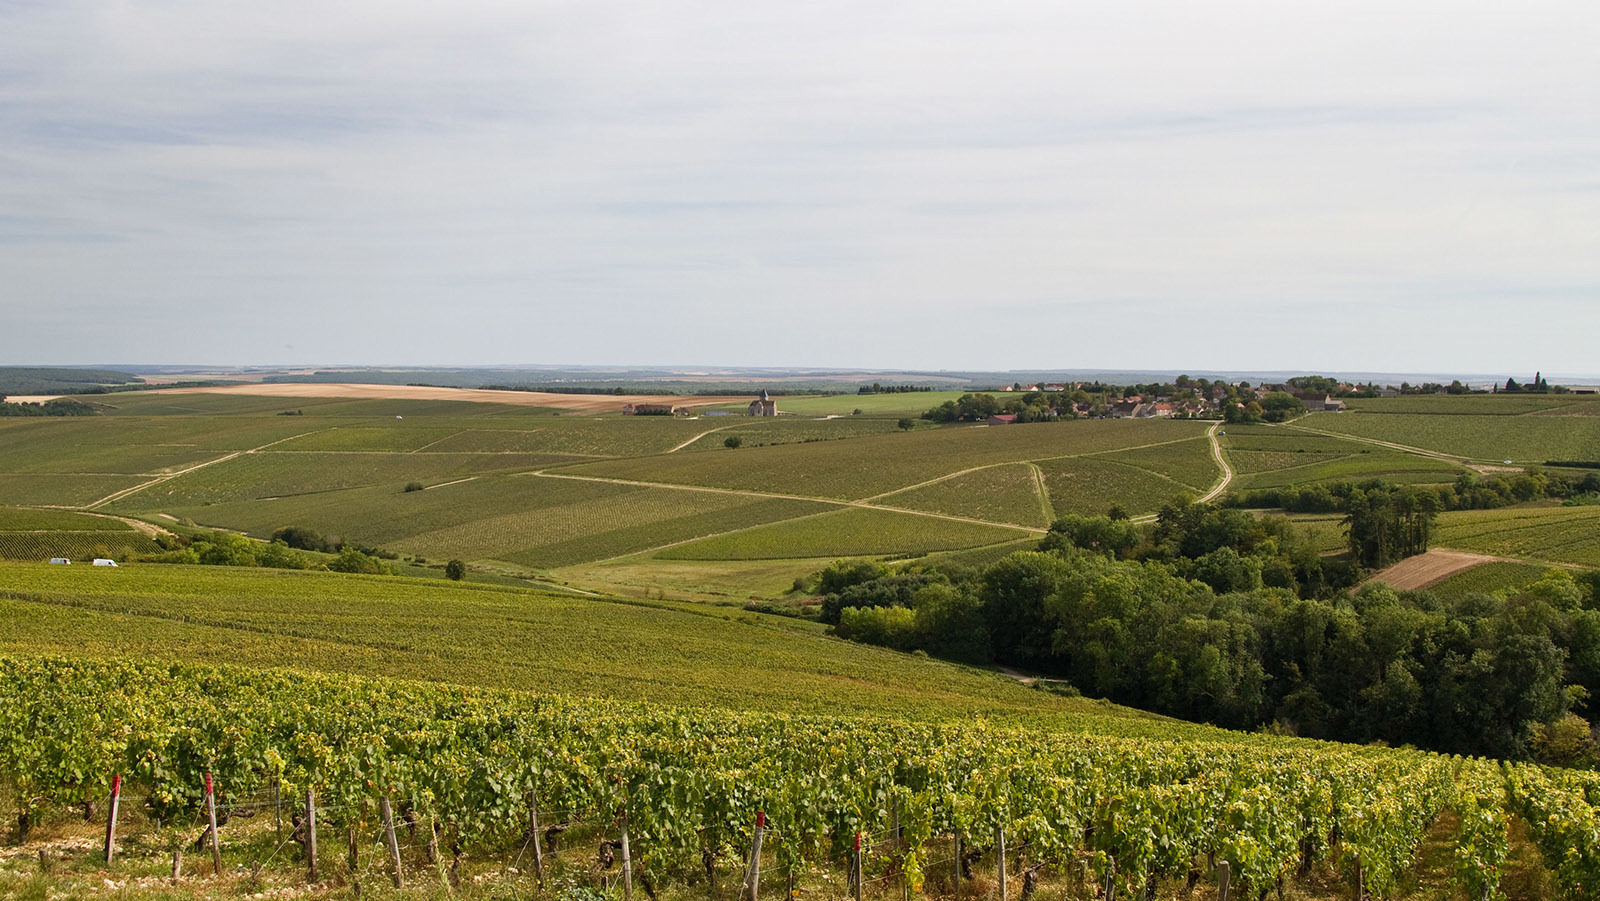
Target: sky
{"type": "Point", "coordinates": [1393, 186]}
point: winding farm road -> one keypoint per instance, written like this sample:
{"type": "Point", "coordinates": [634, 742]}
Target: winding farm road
{"type": "Point", "coordinates": [1217, 489]}
{"type": "Point", "coordinates": [1227, 471]}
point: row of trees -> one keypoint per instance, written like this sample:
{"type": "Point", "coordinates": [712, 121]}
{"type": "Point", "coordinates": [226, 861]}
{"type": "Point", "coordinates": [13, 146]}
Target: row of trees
{"type": "Point", "coordinates": [1468, 492]}
{"type": "Point", "coordinates": [60, 407]}
{"type": "Point", "coordinates": [1208, 617]}
{"type": "Point", "coordinates": [1033, 406]}
{"type": "Point", "coordinates": [1274, 406]}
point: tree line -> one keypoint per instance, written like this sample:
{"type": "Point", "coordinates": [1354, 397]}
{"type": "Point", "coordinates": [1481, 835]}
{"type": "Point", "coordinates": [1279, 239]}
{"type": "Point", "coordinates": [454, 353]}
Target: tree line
{"type": "Point", "coordinates": [59, 407]}
{"type": "Point", "coordinates": [1468, 492]}
{"type": "Point", "coordinates": [1216, 615]}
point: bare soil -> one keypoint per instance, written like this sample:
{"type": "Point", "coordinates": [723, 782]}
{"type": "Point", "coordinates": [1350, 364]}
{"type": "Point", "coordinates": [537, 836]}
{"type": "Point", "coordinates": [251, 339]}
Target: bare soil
{"type": "Point", "coordinates": [1428, 569]}
{"type": "Point", "coordinates": [588, 403]}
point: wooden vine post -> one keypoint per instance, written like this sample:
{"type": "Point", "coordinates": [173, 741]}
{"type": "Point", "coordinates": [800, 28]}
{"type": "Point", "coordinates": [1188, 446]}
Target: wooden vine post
{"type": "Point", "coordinates": [1224, 880]}
{"type": "Point", "coordinates": [386, 812]}
{"type": "Point", "coordinates": [111, 816]}
{"type": "Point", "coordinates": [354, 862]}
{"type": "Point", "coordinates": [311, 833]}
{"type": "Point", "coordinates": [958, 862]}
{"type": "Point", "coordinates": [856, 869]}
{"type": "Point", "coordinates": [1110, 892]}
{"type": "Point", "coordinates": [1000, 857]}
{"type": "Point", "coordinates": [752, 873]}
{"type": "Point", "coordinates": [627, 861]}
{"type": "Point", "coordinates": [533, 828]}
{"type": "Point", "coordinates": [211, 817]}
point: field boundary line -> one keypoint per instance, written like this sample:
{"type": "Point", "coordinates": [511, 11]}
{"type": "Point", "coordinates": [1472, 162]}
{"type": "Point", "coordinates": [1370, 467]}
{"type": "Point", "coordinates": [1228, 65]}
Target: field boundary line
{"type": "Point", "coordinates": [790, 497]}
{"type": "Point", "coordinates": [1421, 451]}
{"type": "Point", "coordinates": [119, 495]}
{"type": "Point", "coordinates": [683, 541]}
{"type": "Point", "coordinates": [1032, 461]}
{"type": "Point", "coordinates": [1149, 472]}
{"type": "Point", "coordinates": [701, 435]}
{"type": "Point", "coordinates": [1048, 508]}
{"type": "Point", "coordinates": [432, 443]}
{"type": "Point", "coordinates": [1350, 456]}
{"type": "Point", "coordinates": [149, 529]}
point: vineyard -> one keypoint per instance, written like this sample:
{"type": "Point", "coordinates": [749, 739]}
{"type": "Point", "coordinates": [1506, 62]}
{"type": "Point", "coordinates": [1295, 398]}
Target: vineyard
{"type": "Point", "coordinates": [1128, 815]}
{"type": "Point", "coordinates": [39, 546]}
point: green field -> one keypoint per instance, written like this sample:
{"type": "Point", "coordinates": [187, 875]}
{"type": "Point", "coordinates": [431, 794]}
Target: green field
{"type": "Point", "coordinates": [1265, 456]}
{"type": "Point", "coordinates": [1189, 463]}
{"type": "Point", "coordinates": [1477, 404]}
{"type": "Point", "coordinates": [1092, 485]}
{"type": "Point", "coordinates": [1487, 578]}
{"type": "Point", "coordinates": [1545, 533]}
{"type": "Point", "coordinates": [1392, 466]}
{"type": "Point", "coordinates": [1522, 438]}
{"type": "Point", "coordinates": [467, 634]}
{"type": "Point", "coordinates": [759, 432]}
{"type": "Point", "coordinates": [854, 470]}
{"type": "Point", "coordinates": [23, 519]}
{"type": "Point", "coordinates": [1008, 493]}
{"type": "Point", "coordinates": [845, 533]}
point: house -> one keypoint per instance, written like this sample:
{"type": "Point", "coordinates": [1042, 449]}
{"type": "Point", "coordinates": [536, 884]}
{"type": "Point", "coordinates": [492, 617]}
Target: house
{"type": "Point", "coordinates": [1317, 403]}
{"type": "Point", "coordinates": [1388, 392]}
{"type": "Point", "coordinates": [1002, 419]}
{"type": "Point", "coordinates": [1129, 409]}
{"type": "Point", "coordinates": [1164, 410]}
{"type": "Point", "coordinates": [642, 409]}
{"type": "Point", "coordinates": [763, 405]}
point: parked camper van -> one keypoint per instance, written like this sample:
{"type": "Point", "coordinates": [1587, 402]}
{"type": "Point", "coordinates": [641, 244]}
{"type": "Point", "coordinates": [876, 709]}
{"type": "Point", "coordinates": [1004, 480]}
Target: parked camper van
{"type": "Point", "coordinates": [61, 560]}
{"type": "Point", "coordinates": [101, 561]}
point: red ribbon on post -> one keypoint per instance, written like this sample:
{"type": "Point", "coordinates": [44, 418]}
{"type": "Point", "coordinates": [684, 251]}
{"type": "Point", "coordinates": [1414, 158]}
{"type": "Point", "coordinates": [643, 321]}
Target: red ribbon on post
{"type": "Point", "coordinates": [858, 843]}
{"type": "Point", "coordinates": [208, 783]}
{"type": "Point", "coordinates": [761, 819]}
{"type": "Point", "coordinates": [116, 785]}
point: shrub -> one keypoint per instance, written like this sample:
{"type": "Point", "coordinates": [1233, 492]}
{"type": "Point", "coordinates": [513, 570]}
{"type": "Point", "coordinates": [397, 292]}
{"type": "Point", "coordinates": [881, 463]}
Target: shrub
{"type": "Point", "coordinates": [413, 486]}
{"type": "Point", "coordinates": [732, 441]}
{"type": "Point", "coordinates": [351, 560]}
{"type": "Point", "coordinates": [890, 627]}
{"type": "Point", "coordinates": [455, 570]}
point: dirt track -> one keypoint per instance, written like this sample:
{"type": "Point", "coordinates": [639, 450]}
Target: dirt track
{"type": "Point", "coordinates": [1428, 569]}
{"type": "Point", "coordinates": [589, 403]}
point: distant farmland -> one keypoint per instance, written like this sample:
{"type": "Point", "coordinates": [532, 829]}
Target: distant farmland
{"type": "Point", "coordinates": [594, 497]}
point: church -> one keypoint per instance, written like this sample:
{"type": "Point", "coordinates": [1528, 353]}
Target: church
{"type": "Point", "coordinates": [763, 405]}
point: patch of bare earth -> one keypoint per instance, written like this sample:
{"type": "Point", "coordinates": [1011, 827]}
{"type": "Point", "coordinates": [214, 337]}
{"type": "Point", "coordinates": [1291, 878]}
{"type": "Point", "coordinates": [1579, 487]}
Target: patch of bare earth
{"type": "Point", "coordinates": [1428, 569]}
{"type": "Point", "coordinates": [587, 403]}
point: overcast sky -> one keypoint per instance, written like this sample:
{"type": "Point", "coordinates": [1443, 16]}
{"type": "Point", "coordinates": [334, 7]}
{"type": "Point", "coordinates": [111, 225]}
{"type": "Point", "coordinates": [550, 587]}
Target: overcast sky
{"type": "Point", "coordinates": [1395, 186]}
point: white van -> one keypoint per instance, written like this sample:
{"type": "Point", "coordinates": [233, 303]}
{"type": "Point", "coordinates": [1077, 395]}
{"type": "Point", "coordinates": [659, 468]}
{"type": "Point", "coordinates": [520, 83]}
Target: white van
{"type": "Point", "coordinates": [61, 560]}
{"type": "Point", "coordinates": [101, 561]}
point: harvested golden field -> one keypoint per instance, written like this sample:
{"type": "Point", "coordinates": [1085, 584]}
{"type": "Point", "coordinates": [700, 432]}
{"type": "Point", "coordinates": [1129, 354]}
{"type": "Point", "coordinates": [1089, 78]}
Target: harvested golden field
{"type": "Point", "coordinates": [587, 403]}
